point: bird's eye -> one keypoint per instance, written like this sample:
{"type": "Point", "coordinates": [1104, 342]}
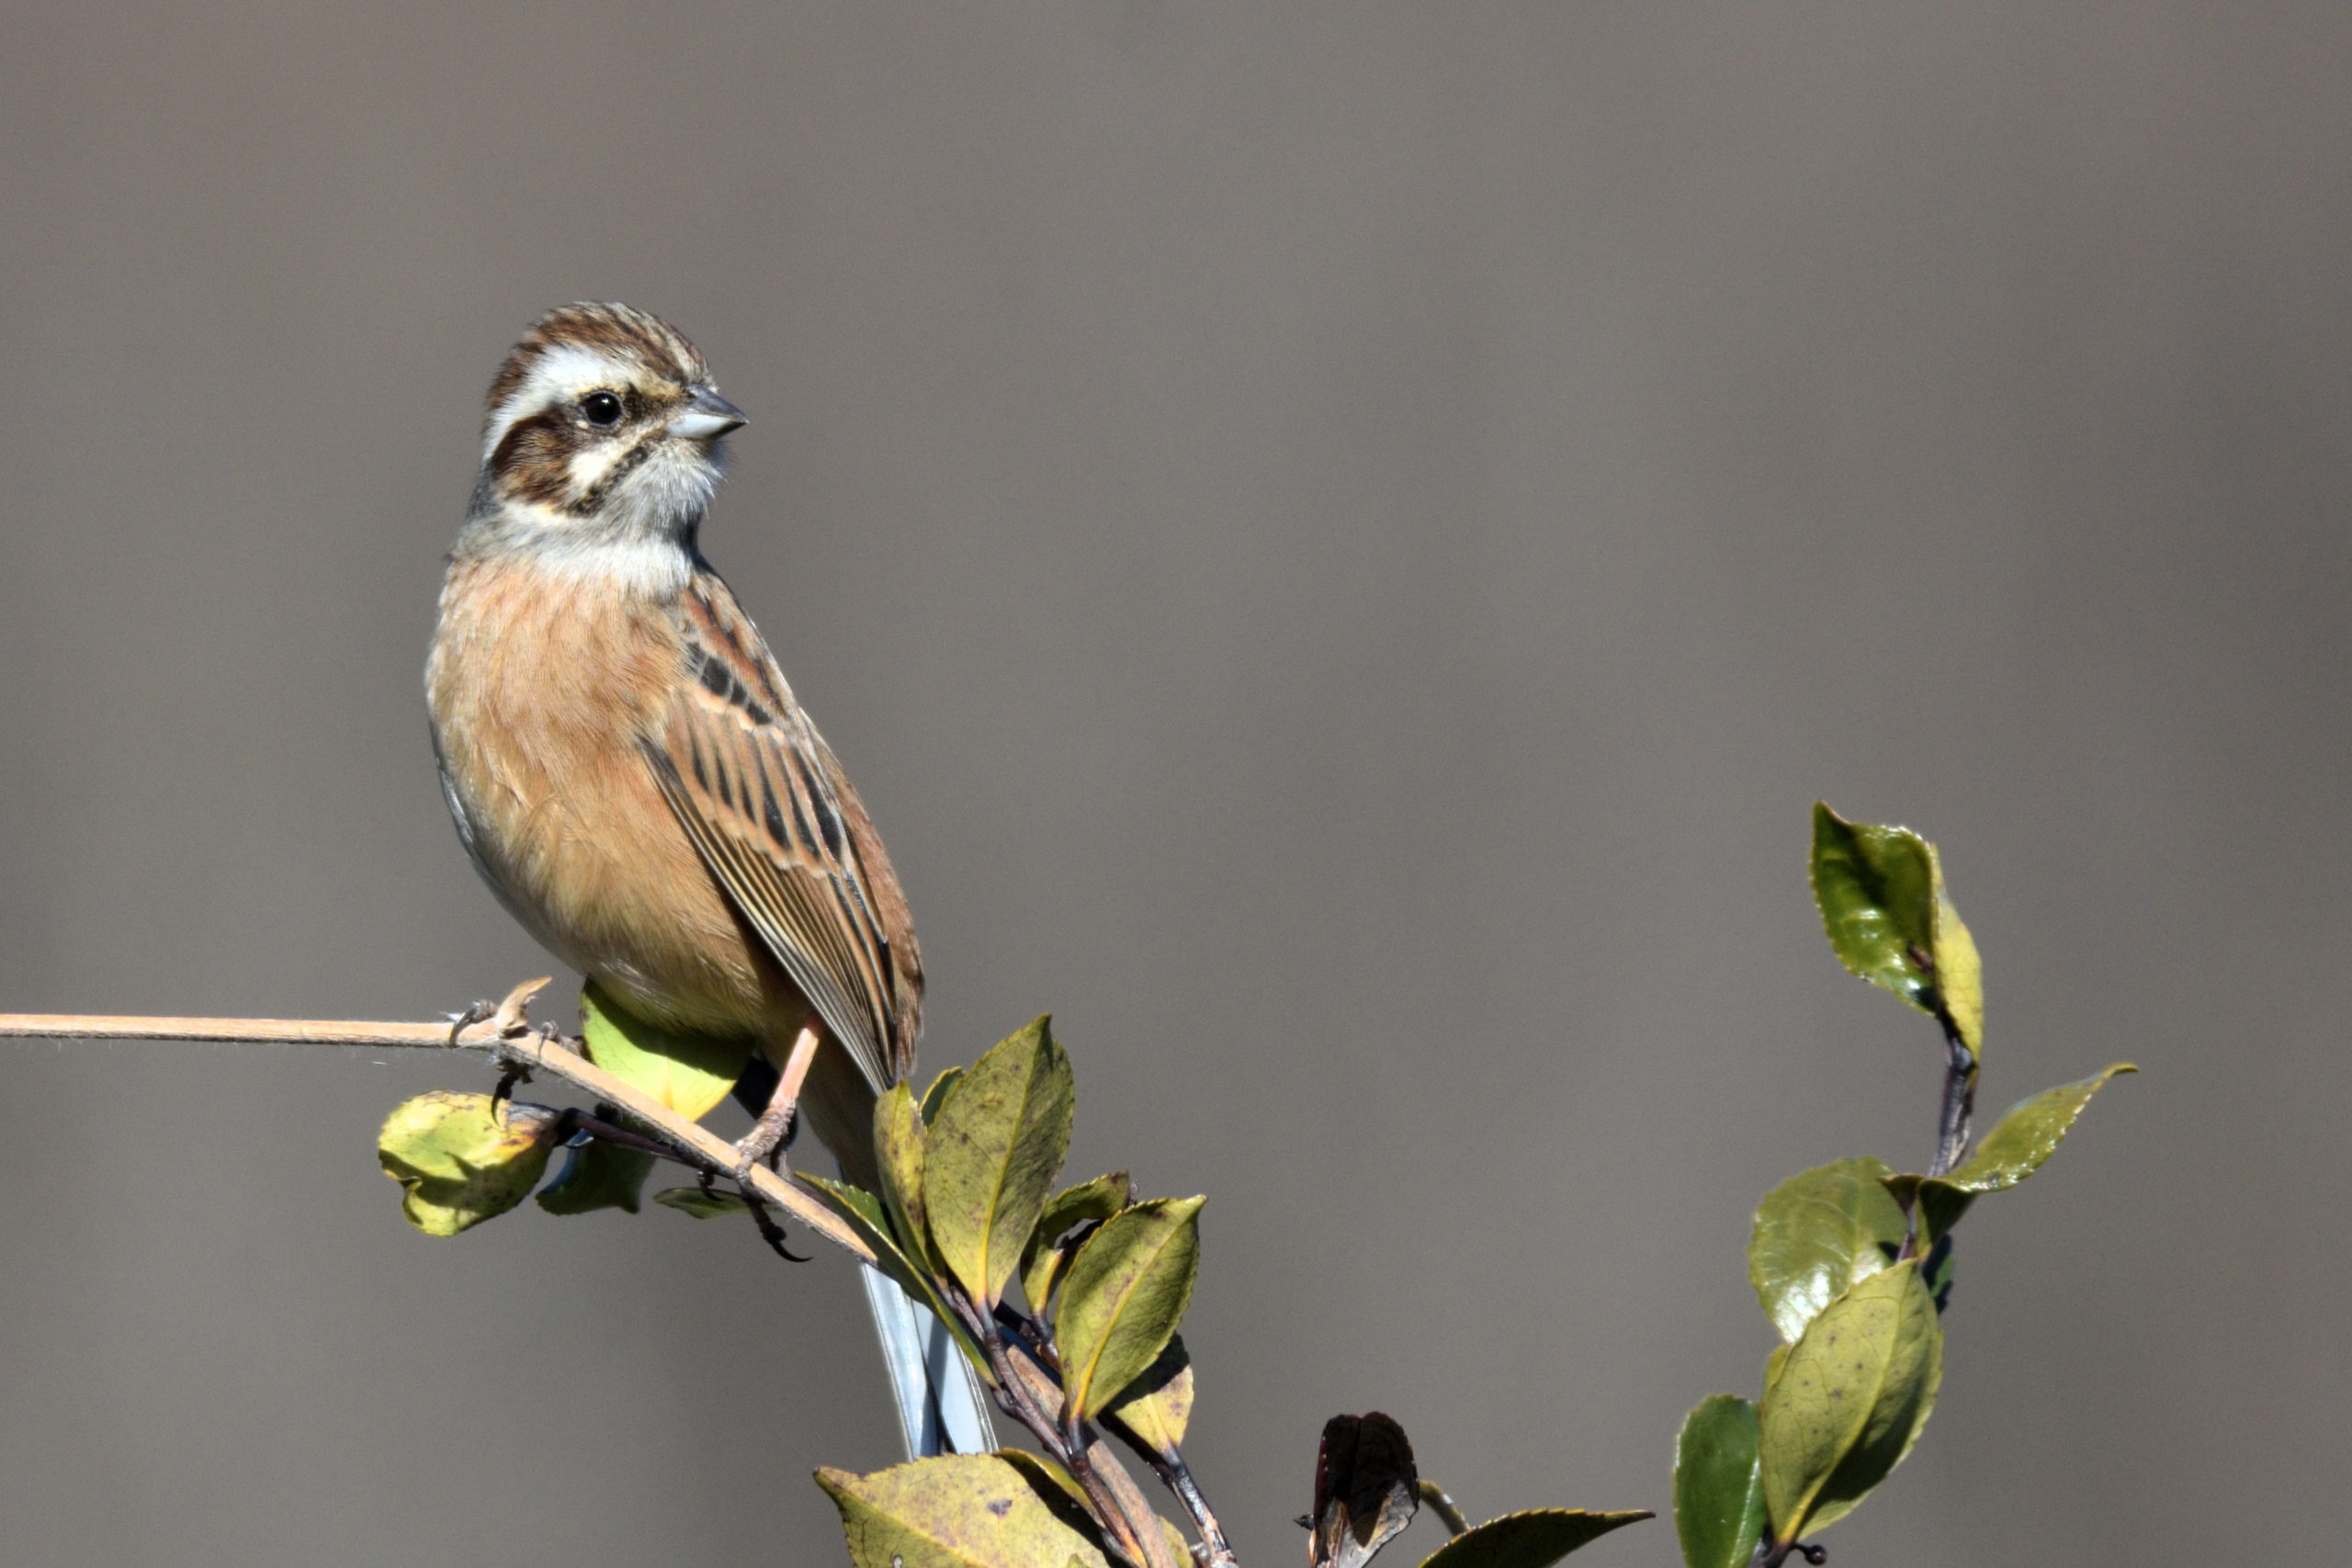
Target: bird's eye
{"type": "Point", "coordinates": [601, 408]}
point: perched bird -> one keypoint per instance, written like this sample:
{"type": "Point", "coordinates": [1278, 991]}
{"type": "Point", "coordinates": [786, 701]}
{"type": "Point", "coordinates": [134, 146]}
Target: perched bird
{"type": "Point", "coordinates": [629, 769]}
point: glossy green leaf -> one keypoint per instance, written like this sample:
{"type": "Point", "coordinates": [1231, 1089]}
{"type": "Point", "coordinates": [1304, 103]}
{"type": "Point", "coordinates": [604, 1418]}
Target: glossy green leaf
{"type": "Point", "coordinates": [688, 1073]}
{"type": "Point", "coordinates": [899, 1149]}
{"type": "Point", "coordinates": [1719, 1483]}
{"type": "Point", "coordinates": [598, 1176]}
{"type": "Point", "coordinates": [1880, 893]}
{"type": "Point", "coordinates": [961, 1511]}
{"type": "Point", "coordinates": [1126, 1291]}
{"type": "Point", "coordinates": [1851, 1401]}
{"type": "Point", "coordinates": [1876, 889]}
{"type": "Point", "coordinates": [1157, 1405]}
{"type": "Point", "coordinates": [457, 1164]}
{"type": "Point", "coordinates": [1819, 1231]}
{"type": "Point", "coordinates": [1041, 1262]}
{"type": "Point", "coordinates": [992, 1157]}
{"type": "Point", "coordinates": [702, 1203]}
{"type": "Point", "coordinates": [870, 1221]}
{"type": "Point", "coordinates": [1533, 1539]}
{"type": "Point", "coordinates": [936, 1095]}
{"type": "Point", "coordinates": [2027, 1135]}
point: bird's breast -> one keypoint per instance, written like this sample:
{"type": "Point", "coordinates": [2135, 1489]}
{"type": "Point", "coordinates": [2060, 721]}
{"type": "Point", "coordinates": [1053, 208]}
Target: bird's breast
{"type": "Point", "coordinates": [543, 688]}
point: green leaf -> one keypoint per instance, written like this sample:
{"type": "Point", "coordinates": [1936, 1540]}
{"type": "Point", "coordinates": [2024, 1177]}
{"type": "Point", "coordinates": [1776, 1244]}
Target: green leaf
{"type": "Point", "coordinates": [457, 1164]}
{"type": "Point", "coordinates": [1851, 1401]}
{"type": "Point", "coordinates": [1126, 1291]}
{"type": "Point", "coordinates": [2027, 1133]}
{"type": "Point", "coordinates": [701, 1204]}
{"type": "Point", "coordinates": [1959, 973]}
{"type": "Point", "coordinates": [1940, 1204]}
{"type": "Point", "coordinates": [1880, 893]}
{"type": "Point", "coordinates": [1719, 1483]}
{"type": "Point", "coordinates": [993, 1155]}
{"type": "Point", "coordinates": [1041, 1261]}
{"type": "Point", "coordinates": [687, 1073]}
{"type": "Point", "coordinates": [1876, 890]}
{"type": "Point", "coordinates": [1818, 1233]}
{"type": "Point", "coordinates": [1159, 1405]}
{"type": "Point", "coordinates": [899, 1149]}
{"type": "Point", "coordinates": [598, 1176]}
{"type": "Point", "coordinates": [959, 1511]}
{"type": "Point", "coordinates": [867, 1219]}
{"type": "Point", "coordinates": [936, 1095]}
{"type": "Point", "coordinates": [1532, 1539]}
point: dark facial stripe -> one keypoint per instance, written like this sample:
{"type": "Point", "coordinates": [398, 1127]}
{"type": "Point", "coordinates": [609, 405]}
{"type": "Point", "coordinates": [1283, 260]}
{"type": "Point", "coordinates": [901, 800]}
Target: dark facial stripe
{"type": "Point", "coordinates": [627, 464]}
{"type": "Point", "coordinates": [531, 462]}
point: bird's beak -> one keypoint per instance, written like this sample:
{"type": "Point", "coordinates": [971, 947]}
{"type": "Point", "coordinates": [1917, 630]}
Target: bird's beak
{"type": "Point", "coordinates": [706, 417]}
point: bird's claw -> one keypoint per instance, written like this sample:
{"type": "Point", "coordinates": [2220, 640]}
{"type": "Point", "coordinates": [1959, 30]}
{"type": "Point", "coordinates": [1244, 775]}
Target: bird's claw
{"type": "Point", "coordinates": [465, 1017]}
{"type": "Point", "coordinates": [508, 1020]}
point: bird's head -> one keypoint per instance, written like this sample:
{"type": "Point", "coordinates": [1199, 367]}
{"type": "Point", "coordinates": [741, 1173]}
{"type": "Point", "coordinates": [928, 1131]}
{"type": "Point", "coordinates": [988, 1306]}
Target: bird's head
{"type": "Point", "coordinates": [603, 428]}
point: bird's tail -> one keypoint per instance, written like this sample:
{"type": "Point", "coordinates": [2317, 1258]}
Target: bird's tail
{"type": "Point", "coordinates": [941, 1408]}
{"type": "Point", "coordinates": [940, 1404]}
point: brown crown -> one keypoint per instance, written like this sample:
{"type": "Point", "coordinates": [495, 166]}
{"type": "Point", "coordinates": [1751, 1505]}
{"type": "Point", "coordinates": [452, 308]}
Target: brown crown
{"type": "Point", "coordinates": [610, 328]}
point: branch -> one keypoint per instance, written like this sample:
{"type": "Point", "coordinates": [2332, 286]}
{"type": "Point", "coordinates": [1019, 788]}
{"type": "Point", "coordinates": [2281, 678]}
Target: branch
{"type": "Point", "coordinates": [508, 1043]}
{"type": "Point", "coordinates": [1958, 1107]}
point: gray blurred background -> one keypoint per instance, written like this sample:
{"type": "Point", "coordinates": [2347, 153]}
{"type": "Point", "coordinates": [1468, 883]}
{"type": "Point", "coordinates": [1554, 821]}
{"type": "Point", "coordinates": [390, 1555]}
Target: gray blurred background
{"type": "Point", "coordinates": [1340, 544]}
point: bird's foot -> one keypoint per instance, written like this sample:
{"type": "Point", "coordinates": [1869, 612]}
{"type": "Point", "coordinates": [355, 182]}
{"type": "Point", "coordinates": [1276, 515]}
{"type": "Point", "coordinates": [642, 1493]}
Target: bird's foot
{"type": "Point", "coordinates": [466, 1017]}
{"type": "Point", "coordinates": [772, 1134]}
{"type": "Point", "coordinates": [769, 1137]}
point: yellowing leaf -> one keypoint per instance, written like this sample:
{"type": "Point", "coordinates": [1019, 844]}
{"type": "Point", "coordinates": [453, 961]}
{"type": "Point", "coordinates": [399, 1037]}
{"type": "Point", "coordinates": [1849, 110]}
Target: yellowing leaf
{"type": "Point", "coordinates": [992, 1154]}
{"type": "Point", "coordinates": [898, 1146]}
{"type": "Point", "coordinates": [688, 1073]}
{"type": "Point", "coordinates": [1126, 1291]}
{"type": "Point", "coordinates": [1157, 1405]}
{"type": "Point", "coordinates": [457, 1164]}
{"type": "Point", "coordinates": [1849, 1400]}
{"type": "Point", "coordinates": [961, 1511]}
{"type": "Point", "coordinates": [1041, 1261]}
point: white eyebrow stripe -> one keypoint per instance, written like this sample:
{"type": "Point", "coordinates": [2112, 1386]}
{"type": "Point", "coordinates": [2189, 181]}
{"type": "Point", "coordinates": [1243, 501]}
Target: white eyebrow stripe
{"type": "Point", "coordinates": [558, 375]}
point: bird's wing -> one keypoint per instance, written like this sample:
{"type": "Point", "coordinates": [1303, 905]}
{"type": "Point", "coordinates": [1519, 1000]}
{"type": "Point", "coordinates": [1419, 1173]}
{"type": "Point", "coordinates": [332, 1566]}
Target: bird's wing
{"type": "Point", "coordinates": [772, 816]}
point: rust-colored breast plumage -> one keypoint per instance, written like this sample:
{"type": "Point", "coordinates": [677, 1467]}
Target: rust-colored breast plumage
{"type": "Point", "coordinates": [633, 777]}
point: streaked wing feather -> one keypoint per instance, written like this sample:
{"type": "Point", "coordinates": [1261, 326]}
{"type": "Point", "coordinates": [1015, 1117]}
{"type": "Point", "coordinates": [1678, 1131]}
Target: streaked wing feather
{"type": "Point", "coordinates": [761, 799]}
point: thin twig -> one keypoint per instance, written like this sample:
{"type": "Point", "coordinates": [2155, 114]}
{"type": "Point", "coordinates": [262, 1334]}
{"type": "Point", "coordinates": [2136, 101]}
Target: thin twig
{"type": "Point", "coordinates": [535, 1052]}
{"type": "Point", "coordinates": [1176, 1476]}
{"type": "Point", "coordinates": [1434, 1495]}
{"type": "Point", "coordinates": [1959, 1106]}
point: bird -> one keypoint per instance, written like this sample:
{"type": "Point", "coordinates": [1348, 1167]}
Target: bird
{"type": "Point", "coordinates": [631, 774]}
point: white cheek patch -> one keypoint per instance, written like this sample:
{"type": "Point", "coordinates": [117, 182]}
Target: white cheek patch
{"type": "Point", "coordinates": [589, 466]}
{"type": "Point", "coordinates": [559, 375]}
